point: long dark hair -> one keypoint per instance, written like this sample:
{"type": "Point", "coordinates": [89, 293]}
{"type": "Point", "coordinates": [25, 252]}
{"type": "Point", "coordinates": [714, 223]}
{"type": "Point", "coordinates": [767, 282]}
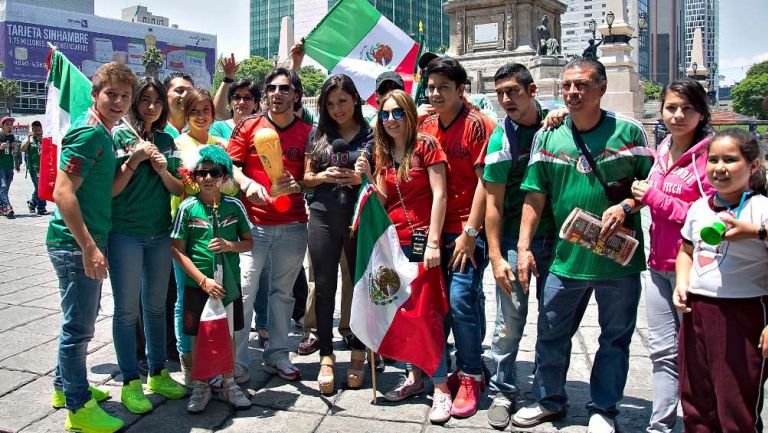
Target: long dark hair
{"type": "Point", "coordinates": [135, 118]}
{"type": "Point", "coordinates": [695, 94]}
{"type": "Point", "coordinates": [750, 150]}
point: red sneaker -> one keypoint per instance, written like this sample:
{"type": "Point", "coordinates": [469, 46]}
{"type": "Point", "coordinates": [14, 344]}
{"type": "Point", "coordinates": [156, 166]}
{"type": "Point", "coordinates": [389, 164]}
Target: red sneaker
{"type": "Point", "coordinates": [465, 403]}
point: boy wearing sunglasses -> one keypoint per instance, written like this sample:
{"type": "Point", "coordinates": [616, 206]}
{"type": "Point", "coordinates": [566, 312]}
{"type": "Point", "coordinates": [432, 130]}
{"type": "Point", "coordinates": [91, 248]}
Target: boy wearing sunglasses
{"type": "Point", "coordinates": [209, 224]}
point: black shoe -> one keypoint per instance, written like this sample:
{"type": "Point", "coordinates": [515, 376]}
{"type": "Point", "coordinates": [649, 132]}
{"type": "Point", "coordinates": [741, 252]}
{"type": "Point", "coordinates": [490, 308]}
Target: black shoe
{"type": "Point", "coordinates": [10, 215]}
{"type": "Point", "coordinates": [31, 206]}
{"type": "Point", "coordinates": [308, 345]}
{"type": "Point", "coordinates": [42, 212]}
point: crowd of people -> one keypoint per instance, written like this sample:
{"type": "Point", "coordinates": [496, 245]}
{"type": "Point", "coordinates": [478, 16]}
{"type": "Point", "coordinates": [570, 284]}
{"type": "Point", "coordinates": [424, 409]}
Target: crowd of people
{"type": "Point", "coordinates": [154, 200]}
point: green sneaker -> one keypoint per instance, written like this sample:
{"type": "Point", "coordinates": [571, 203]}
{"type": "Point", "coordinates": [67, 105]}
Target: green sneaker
{"type": "Point", "coordinates": [132, 396]}
{"type": "Point", "coordinates": [164, 385]}
{"type": "Point", "coordinates": [58, 401]}
{"type": "Point", "coordinates": [92, 419]}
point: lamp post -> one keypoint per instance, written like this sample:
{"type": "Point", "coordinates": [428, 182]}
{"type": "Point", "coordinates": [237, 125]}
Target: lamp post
{"type": "Point", "coordinates": [593, 27]}
{"type": "Point", "coordinates": [610, 17]}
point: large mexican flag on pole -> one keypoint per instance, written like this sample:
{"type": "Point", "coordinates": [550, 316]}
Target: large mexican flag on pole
{"type": "Point", "coordinates": [357, 40]}
{"type": "Point", "coordinates": [69, 96]}
{"type": "Point", "coordinates": [398, 307]}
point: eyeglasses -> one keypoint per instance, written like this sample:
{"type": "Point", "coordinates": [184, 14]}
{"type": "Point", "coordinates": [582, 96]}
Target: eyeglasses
{"type": "Point", "coordinates": [244, 98]}
{"type": "Point", "coordinates": [204, 172]}
{"type": "Point", "coordinates": [396, 114]}
{"type": "Point", "coordinates": [282, 88]}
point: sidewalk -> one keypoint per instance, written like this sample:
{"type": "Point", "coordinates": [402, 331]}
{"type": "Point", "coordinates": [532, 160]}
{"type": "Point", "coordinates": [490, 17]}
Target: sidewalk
{"type": "Point", "coordinates": [30, 321]}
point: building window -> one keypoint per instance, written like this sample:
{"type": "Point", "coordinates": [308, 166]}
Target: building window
{"type": "Point", "coordinates": [587, 7]}
{"type": "Point", "coordinates": [588, 15]}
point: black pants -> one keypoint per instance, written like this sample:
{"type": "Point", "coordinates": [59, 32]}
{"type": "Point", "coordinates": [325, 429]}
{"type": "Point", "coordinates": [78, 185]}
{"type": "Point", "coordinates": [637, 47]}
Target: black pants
{"type": "Point", "coordinates": [300, 289]}
{"type": "Point", "coordinates": [328, 236]}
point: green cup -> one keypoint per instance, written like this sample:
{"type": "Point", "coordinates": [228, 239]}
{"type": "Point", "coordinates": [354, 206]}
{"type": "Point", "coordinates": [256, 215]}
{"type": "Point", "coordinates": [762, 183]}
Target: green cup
{"type": "Point", "coordinates": [713, 233]}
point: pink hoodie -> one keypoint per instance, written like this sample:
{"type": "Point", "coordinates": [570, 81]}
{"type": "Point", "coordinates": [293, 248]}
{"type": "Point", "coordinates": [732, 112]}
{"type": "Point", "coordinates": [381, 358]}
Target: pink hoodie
{"type": "Point", "coordinates": [670, 195]}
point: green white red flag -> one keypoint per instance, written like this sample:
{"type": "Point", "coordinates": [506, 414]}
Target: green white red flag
{"type": "Point", "coordinates": [398, 307]}
{"type": "Point", "coordinates": [357, 40]}
{"type": "Point", "coordinates": [69, 96]}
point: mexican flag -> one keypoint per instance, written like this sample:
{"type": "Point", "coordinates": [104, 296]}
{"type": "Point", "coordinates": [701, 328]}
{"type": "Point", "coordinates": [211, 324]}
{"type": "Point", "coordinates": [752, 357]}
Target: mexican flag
{"type": "Point", "coordinates": [69, 96]}
{"type": "Point", "coordinates": [357, 40]}
{"type": "Point", "coordinates": [398, 307]}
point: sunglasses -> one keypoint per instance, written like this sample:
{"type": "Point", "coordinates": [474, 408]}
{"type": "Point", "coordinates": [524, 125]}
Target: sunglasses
{"type": "Point", "coordinates": [245, 98]}
{"type": "Point", "coordinates": [396, 114]}
{"type": "Point", "coordinates": [282, 88]}
{"type": "Point", "coordinates": [204, 172]}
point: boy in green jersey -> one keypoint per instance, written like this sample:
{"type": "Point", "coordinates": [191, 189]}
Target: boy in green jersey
{"type": "Point", "coordinates": [31, 145]}
{"type": "Point", "coordinates": [77, 237]}
{"type": "Point", "coordinates": [7, 151]}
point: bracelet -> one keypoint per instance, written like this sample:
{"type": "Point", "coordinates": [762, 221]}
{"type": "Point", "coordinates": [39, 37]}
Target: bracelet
{"type": "Point", "coordinates": [435, 247]}
{"type": "Point", "coordinates": [301, 188]}
{"type": "Point", "coordinates": [245, 184]}
{"type": "Point", "coordinates": [228, 80]}
{"type": "Point", "coordinates": [202, 283]}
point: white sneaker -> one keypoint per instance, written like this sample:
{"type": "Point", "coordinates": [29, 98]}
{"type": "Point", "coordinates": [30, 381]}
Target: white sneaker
{"type": "Point", "coordinates": [283, 368]}
{"type": "Point", "coordinates": [441, 408]}
{"type": "Point", "coordinates": [534, 414]}
{"type": "Point", "coordinates": [201, 395]}
{"type": "Point", "coordinates": [599, 423]}
{"type": "Point", "coordinates": [232, 394]}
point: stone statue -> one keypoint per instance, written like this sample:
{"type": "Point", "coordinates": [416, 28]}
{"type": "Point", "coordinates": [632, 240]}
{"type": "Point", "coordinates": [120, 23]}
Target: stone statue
{"type": "Point", "coordinates": [548, 46]}
{"type": "Point", "coordinates": [591, 51]}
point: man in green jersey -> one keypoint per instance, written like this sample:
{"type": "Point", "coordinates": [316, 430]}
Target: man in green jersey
{"type": "Point", "coordinates": [509, 150]}
{"type": "Point", "coordinates": [615, 149]}
{"type": "Point", "coordinates": [7, 151]}
{"type": "Point", "coordinates": [31, 145]}
{"type": "Point", "coordinates": [77, 237]}
{"type": "Point", "coordinates": [177, 84]}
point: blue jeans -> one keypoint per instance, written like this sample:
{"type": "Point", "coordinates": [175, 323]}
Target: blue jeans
{"type": "Point", "coordinates": [561, 309]}
{"type": "Point", "coordinates": [466, 316]}
{"type": "Point", "coordinates": [6, 177]}
{"type": "Point", "coordinates": [279, 251]}
{"type": "Point", "coordinates": [80, 296]}
{"type": "Point", "coordinates": [512, 311]}
{"type": "Point", "coordinates": [139, 269]}
{"type": "Point", "coordinates": [183, 341]}
{"type": "Point", "coordinates": [35, 200]}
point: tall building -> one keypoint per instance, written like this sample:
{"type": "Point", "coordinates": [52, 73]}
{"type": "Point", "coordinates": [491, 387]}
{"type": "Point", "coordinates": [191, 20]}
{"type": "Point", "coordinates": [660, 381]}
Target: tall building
{"type": "Point", "coordinates": [703, 14]}
{"type": "Point", "coordinates": [665, 28]}
{"type": "Point", "coordinates": [79, 6]}
{"type": "Point", "coordinates": [406, 14]}
{"type": "Point", "coordinates": [140, 14]}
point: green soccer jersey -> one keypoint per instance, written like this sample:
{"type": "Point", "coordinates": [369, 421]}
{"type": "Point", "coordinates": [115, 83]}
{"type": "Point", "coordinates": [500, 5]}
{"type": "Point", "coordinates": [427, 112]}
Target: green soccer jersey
{"type": "Point", "coordinates": [222, 128]}
{"type": "Point", "coordinates": [6, 155]}
{"type": "Point", "coordinates": [172, 131]}
{"type": "Point", "coordinates": [499, 169]}
{"type": "Point", "coordinates": [87, 151]}
{"type": "Point", "coordinates": [194, 225]}
{"type": "Point", "coordinates": [143, 208]}
{"type": "Point", "coordinates": [33, 155]}
{"type": "Point", "coordinates": [619, 147]}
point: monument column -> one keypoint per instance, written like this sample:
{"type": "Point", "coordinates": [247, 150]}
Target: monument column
{"type": "Point", "coordinates": [525, 27]}
{"type": "Point", "coordinates": [624, 94]}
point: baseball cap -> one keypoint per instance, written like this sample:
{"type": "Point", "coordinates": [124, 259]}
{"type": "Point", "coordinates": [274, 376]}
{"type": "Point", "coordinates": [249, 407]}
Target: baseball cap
{"type": "Point", "coordinates": [425, 58]}
{"type": "Point", "coordinates": [7, 118]}
{"type": "Point", "coordinates": [389, 76]}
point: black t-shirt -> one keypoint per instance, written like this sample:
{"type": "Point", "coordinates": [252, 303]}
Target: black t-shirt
{"type": "Point", "coordinates": [329, 197]}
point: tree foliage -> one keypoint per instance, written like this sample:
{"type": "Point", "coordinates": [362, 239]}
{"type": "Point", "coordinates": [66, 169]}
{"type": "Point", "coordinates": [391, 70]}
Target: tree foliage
{"type": "Point", "coordinates": [254, 68]}
{"type": "Point", "coordinates": [9, 90]}
{"type": "Point", "coordinates": [749, 94]}
{"type": "Point", "coordinates": [758, 69]}
{"type": "Point", "coordinates": [652, 90]}
{"type": "Point", "coordinates": [312, 79]}
{"type": "Point", "coordinates": [153, 60]}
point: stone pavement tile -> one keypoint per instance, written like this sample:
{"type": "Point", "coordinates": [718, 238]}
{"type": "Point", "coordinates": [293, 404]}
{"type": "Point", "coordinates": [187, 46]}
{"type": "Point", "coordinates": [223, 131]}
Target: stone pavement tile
{"type": "Point", "coordinates": [28, 294]}
{"type": "Point", "coordinates": [10, 380]}
{"type": "Point", "coordinates": [51, 302]}
{"type": "Point", "coordinates": [16, 341]}
{"type": "Point", "coordinates": [19, 315]}
{"type": "Point", "coordinates": [40, 359]}
{"type": "Point", "coordinates": [41, 277]}
{"type": "Point", "coordinates": [336, 424]}
{"type": "Point", "coordinates": [49, 325]}
{"type": "Point", "coordinates": [103, 331]}
{"type": "Point", "coordinates": [26, 405]}
{"type": "Point", "coordinates": [17, 273]}
{"type": "Point", "coordinates": [359, 403]}
{"type": "Point", "coordinates": [579, 369]}
{"type": "Point", "coordinates": [264, 420]}
{"type": "Point", "coordinates": [106, 305]}
{"type": "Point", "coordinates": [301, 396]}
{"type": "Point", "coordinates": [172, 417]}
{"type": "Point", "coordinates": [101, 363]}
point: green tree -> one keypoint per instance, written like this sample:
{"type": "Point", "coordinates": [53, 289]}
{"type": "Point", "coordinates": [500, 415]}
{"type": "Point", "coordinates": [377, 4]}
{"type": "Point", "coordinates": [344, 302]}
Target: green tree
{"type": "Point", "coordinates": [749, 94]}
{"type": "Point", "coordinates": [153, 60]}
{"type": "Point", "coordinates": [312, 79]}
{"type": "Point", "coordinates": [9, 90]}
{"type": "Point", "coordinates": [652, 90]}
{"type": "Point", "coordinates": [254, 68]}
{"type": "Point", "coordinates": [758, 69]}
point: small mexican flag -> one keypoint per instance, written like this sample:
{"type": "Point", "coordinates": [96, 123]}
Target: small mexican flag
{"type": "Point", "coordinates": [398, 307]}
{"type": "Point", "coordinates": [69, 96]}
{"type": "Point", "coordinates": [357, 40]}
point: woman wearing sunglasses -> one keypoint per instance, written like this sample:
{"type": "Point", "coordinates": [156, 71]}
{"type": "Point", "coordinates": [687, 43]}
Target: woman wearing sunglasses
{"type": "Point", "coordinates": [243, 99]}
{"type": "Point", "coordinates": [139, 245]}
{"type": "Point", "coordinates": [410, 177]}
{"type": "Point", "coordinates": [342, 136]}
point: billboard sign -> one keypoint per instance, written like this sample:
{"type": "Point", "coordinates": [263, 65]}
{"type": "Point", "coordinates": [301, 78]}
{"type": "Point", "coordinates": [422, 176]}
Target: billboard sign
{"type": "Point", "coordinates": [90, 41]}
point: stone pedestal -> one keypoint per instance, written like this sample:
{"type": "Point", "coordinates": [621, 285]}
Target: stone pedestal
{"type": "Point", "coordinates": [547, 72]}
{"type": "Point", "coordinates": [624, 94]}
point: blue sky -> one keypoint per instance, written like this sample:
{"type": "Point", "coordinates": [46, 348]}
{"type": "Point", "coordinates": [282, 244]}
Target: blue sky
{"type": "Point", "coordinates": [743, 27]}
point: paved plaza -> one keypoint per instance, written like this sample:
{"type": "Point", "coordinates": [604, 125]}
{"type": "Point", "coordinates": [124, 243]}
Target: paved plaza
{"type": "Point", "coordinates": [30, 321]}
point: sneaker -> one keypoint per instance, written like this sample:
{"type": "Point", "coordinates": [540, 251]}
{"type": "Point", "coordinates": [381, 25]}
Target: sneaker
{"type": "Point", "coordinates": [10, 214]}
{"type": "Point", "coordinates": [164, 385]}
{"type": "Point", "coordinates": [441, 408]}
{"type": "Point", "coordinates": [599, 423]}
{"type": "Point", "coordinates": [465, 403]}
{"type": "Point", "coordinates": [283, 368]}
{"type": "Point", "coordinates": [499, 412]}
{"type": "Point", "coordinates": [92, 418]}
{"type": "Point", "coordinates": [241, 375]}
{"type": "Point", "coordinates": [58, 401]}
{"type": "Point", "coordinates": [133, 398]}
{"type": "Point", "coordinates": [201, 395]}
{"type": "Point", "coordinates": [233, 395]}
{"type": "Point", "coordinates": [31, 206]}
{"type": "Point", "coordinates": [404, 389]}
{"type": "Point", "coordinates": [42, 212]}
{"type": "Point", "coordinates": [308, 345]}
{"type": "Point", "coordinates": [534, 414]}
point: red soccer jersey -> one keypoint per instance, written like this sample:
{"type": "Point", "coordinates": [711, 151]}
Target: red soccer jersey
{"type": "Point", "coordinates": [464, 142]}
{"type": "Point", "coordinates": [417, 191]}
{"type": "Point", "coordinates": [293, 141]}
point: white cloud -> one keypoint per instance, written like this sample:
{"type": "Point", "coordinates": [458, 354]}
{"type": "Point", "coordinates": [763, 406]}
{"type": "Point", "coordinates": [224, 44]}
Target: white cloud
{"type": "Point", "coordinates": [735, 69]}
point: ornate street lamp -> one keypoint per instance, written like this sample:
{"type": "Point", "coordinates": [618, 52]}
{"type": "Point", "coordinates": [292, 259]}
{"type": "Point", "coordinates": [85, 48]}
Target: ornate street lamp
{"type": "Point", "coordinates": [609, 20]}
{"type": "Point", "coordinates": [593, 27]}
{"type": "Point", "coordinates": [694, 66]}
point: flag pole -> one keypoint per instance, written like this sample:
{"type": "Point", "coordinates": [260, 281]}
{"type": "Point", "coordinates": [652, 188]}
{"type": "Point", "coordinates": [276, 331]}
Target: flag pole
{"type": "Point", "coordinates": [373, 373]}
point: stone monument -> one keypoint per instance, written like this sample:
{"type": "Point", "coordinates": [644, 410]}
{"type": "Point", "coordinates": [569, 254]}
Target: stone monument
{"type": "Point", "coordinates": [486, 34]}
{"type": "Point", "coordinates": [285, 43]}
{"type": "Point", "coordinates": [697, 69]}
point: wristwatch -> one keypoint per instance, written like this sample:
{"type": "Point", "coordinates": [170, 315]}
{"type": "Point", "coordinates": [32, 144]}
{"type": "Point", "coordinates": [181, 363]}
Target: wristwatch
{"type": "Point", "coordinates": [762, 233]}
{"type": "Point", "coordinates": [627, 208]}
{"type": "Point", "coordinates": [471, 231]}
{"type": "Point", "coordinates": [228, 80]}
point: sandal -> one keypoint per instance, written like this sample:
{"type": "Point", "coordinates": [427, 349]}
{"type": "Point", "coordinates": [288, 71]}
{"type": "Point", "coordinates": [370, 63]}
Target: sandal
{"type": "Point", "coordinates": [355, 376]}
{"type": "Point", "coordinates": [325, 381]}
